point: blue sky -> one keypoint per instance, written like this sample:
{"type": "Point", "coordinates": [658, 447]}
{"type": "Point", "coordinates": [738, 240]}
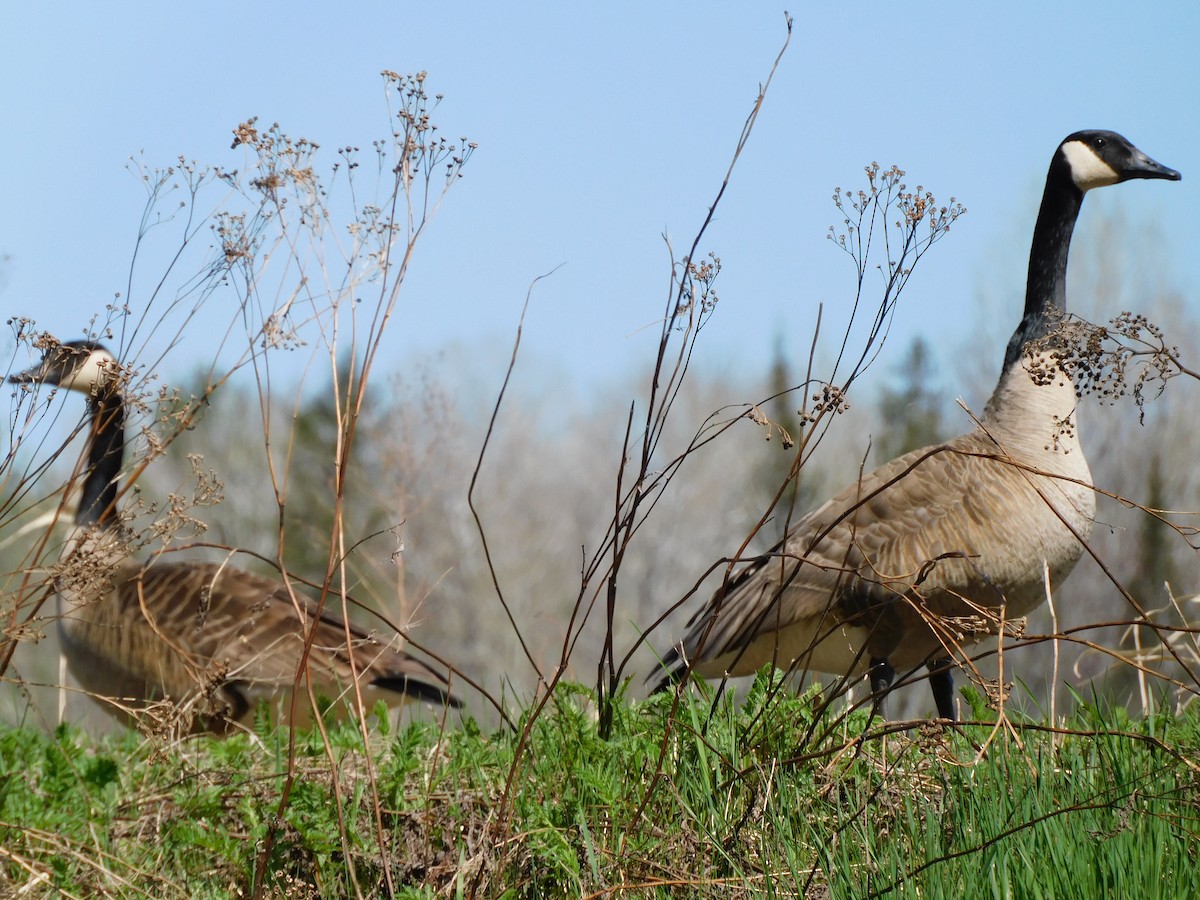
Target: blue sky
{"type": "Point", "coordinates": [600, 127]}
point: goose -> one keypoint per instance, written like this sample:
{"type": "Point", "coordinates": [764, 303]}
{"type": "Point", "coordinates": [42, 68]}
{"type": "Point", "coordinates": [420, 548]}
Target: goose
{"type": "Point", "coordinates": [214, 639]}
{"type": "Point", "coordinates": [900, 569]}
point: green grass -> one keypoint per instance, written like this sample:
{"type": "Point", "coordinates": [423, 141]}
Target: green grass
{"type": "Point", "coordinates": [763, 797]}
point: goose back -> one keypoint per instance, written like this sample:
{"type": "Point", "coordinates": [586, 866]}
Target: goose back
{"type": "Point", "coordinates": [956, 530]}
{"type": "Point", "coordinates": [227, 640]}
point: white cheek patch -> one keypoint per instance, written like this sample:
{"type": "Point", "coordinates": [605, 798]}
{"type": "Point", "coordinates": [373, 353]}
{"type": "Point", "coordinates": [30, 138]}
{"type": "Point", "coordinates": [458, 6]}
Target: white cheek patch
{"type": "Point", "coordinates": [91, 371]}
{"type": "Point", "coordinates": [1087, 169]}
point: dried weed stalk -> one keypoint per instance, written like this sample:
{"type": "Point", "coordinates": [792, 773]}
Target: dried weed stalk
{"type": "Point", "coordinates": [314, 256]}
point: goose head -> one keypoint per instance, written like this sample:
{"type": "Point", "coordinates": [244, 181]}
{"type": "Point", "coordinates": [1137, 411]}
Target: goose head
{"type": "Point", "coordinates": [84, 366]}
{"type": "Point", "coordinates": [1093, 159]}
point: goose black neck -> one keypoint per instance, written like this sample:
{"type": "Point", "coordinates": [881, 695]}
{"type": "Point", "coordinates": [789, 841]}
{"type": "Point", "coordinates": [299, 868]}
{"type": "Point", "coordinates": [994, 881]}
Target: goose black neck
{"type": "Point", "coordinates": [106, 452]}
{"type": "Point", "coordinates": [1046, 286]}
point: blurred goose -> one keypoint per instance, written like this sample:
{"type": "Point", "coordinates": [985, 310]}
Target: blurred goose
{"type": "Point", "coordinates": [872, 580]}
{"type": "Point", "coordinates": [198, 633]}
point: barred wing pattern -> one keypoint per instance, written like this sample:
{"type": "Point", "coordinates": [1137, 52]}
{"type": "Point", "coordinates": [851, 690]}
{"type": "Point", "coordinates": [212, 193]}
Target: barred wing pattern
{"type": "Point", "coordinates": [944, 531]}
{"type": "Point", "coordinates": [228, 639]}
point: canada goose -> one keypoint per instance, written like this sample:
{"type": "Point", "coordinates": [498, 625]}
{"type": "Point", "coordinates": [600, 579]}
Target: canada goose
{"type": "Point", "coordinates": [868, 581]}
{"type": "Point", "coordinates": [198, 633]}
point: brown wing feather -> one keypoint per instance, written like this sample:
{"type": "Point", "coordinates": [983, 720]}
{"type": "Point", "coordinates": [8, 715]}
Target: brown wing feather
{"type": "Point", "coordinates": [183, 630]}
{"type": "Point", "coordinates": [922, 529]}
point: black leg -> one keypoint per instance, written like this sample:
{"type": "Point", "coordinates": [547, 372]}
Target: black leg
{"type": "Point", "coordinates": [941, 682]}
{"type": "Point", "coordinates": [882, 675]}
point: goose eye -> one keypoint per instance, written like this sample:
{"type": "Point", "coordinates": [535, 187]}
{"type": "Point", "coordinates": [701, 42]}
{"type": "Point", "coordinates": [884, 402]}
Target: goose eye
{"type": "Point", "coordinates": [1099, 142]}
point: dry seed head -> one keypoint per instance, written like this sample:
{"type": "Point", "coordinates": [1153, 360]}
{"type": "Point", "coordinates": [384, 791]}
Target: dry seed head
{"type": "Point", "coordinates": [245, 133]}
{"type": "Point", "coordinates": [1110, 362]}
